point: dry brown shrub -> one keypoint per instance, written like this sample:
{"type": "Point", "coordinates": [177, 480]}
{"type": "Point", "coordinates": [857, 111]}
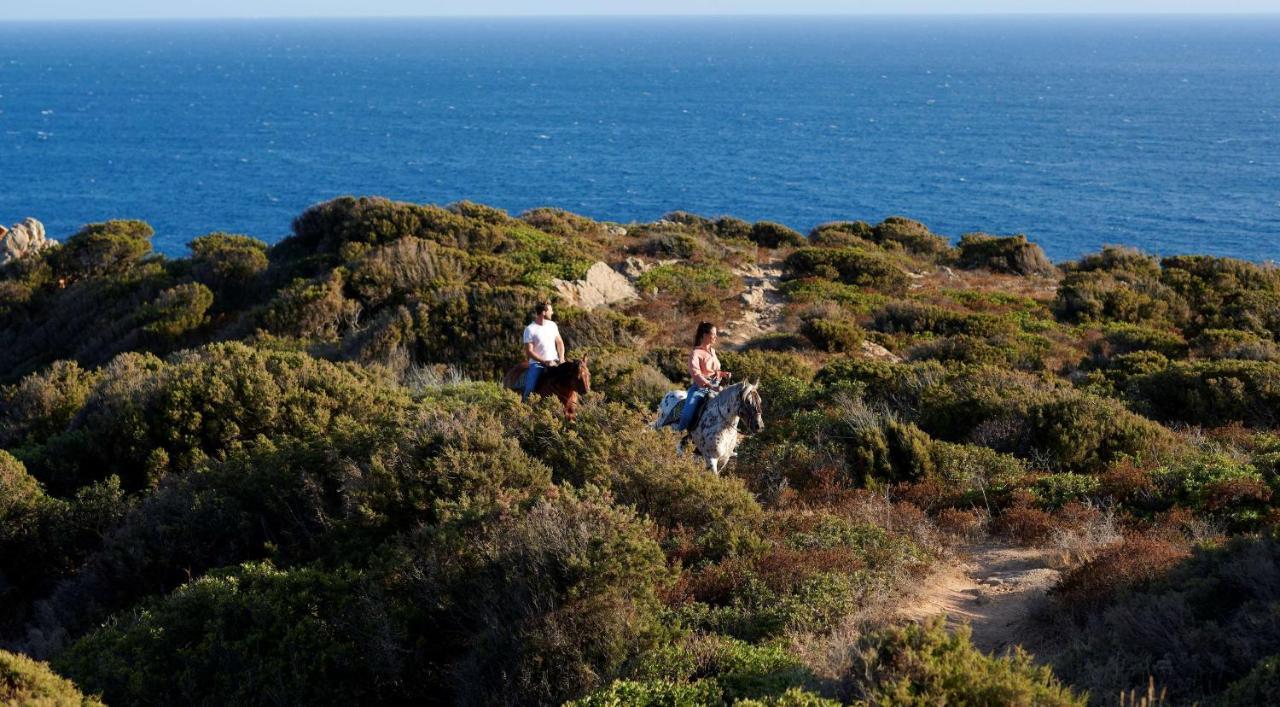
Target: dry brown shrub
{"type": "Point", "coordinates": [1024, 524]}
{"type": "Point", "coordinates": [1234, 435]}
{"type": "Point", "coordinates": [962, 523]}
{"type": "Point", "coordinates": [1127, 482]}
{"type": "Point", "coordinates": [926, 493]}
{"type": "Point", "coordinates": [1135, 560]}
{"type": "Point", "coordinates": [1232, 493]}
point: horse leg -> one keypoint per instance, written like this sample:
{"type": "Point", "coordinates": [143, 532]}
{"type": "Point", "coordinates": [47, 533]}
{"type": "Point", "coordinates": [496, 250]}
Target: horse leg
{"type": "Point", "coordinates": [570, 401]}
{"type": "Point", "coordinates": [714, 465]}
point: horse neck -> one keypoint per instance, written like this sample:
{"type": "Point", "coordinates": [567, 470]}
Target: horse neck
{"type": "Point", "coordinates": [726, 402]}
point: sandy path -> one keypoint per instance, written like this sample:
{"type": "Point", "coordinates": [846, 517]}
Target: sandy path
{"type": "Point", "coordinates": [995, 589]}
{"type": "Point", "coordinates": [762, 305]}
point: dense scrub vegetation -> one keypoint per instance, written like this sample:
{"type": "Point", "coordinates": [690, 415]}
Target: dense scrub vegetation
{"type": "Point", "coordinates": [287, 474]}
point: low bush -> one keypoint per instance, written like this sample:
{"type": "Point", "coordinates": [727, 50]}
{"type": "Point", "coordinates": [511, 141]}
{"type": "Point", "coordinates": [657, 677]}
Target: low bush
{"type": "Point", "coordinates": [250, 634]}
{"type": "Point", "coordinates": [1210, 393]}
{"type": "Point", "coordinates": [928, 665]}
{"type": "Point", "coordinates": [851, 266]}
{"type": "Point", "coordinates": [843, 234]}
{"type": "Point", "coordinates": [774, 235]}
{"type": "Point", "coordinates": [1217, 344]}
{"type": "Point", "coordinates": [1134, 562]}
{"type": "Point", "coordinates": [24, 681]}
{"type": "Point", "coordinates": [1012, 254]}
{"type": "Point", "coordinates": [1201, 624]}
{"type": "Point", "coordinates": [911, 236]}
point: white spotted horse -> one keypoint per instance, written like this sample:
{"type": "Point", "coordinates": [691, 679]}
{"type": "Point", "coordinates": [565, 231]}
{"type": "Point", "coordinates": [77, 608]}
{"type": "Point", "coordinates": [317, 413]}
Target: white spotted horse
{"type": "Point", "coordinates": [715, 432]}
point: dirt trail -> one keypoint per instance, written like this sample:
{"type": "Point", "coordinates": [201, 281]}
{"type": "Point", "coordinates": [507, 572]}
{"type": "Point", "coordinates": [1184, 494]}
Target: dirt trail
{"type": "Point", "coordinates": [762, 305]}
{"type": "Point", "coordinates": [995, 589]}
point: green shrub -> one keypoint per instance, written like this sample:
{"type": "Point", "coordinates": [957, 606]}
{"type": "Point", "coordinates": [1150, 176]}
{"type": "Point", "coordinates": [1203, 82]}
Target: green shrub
{"type": "Point", "coordinates": [177, 312]}
{"type": "Point", "coordinates": [925, 665]}
{"type": "Point", "coordinates": [100, 249]}
{"type": "Point", "coordinates": [395, 272]}
{"type": "Point", "coordinates": [851, 266]}
{"type": "Point", "coordinates": [1123, 338]}
{"type": "Point", "coordinates": [818, 291]}
{"type": "Point", "coordinates": [774, 235]}
{"type": "Point", "coordinates": [838, 334]}
{"type": "Point", "coordinates": [43, 403]}
{"type": "Point", "coordinates": [1259, 687]}
{"type": "Point", "coordinates": [915, 318]}
{"type": "Point", "coordinates": [842, 234]}
{"type": "Point", "coordinates": [230, 265]}
{"type": "Point", "coordinates": [1012, 254]}
{"type": "Point", "coordinates": [1218, 486]}
{"type": "Point", "coordinates": [1056, 490]}
{"type": "Point", "coordinates": [251, 634]}
{"type": "Point", "coordinates": [654, 693]}
{"type": "Point", "coordinates": [1234, 343]}
{"type": "Point", "coordinates": [975, 475]}
{"type": "Point", "coordinates": [1198, 626]}
{"type": "Point", "coordinates": [551, 603]}
{"type": "Point", "coordinates": [1210, 392]}
{"type": "Point", "coordinates": [610, 447]}
{"type": "Point", "coordinates": [911, 236]}
{"type": "Point", "coordinates": [145, 417]}
{"type": "Point", "coordinates": [742, 670]}
{"type": "Point", "coordinates": [1118, 259]}
{"type": "Point", "coordinates": [682, 280]}
{"type": "Point", "coordinates": [1097, 295]}
{"type": "Point", "coordinates": [24, 681]}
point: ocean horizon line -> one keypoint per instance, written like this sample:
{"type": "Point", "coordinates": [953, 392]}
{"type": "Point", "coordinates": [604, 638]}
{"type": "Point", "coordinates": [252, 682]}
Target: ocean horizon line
{"type": "Point", "coordinates": [656, 16]}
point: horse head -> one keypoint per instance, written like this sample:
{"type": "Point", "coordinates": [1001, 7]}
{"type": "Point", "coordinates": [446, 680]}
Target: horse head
{"type": "Point", "coordinates": [582, 376]}
{"type": "Point", "coordinates": [750, 408]}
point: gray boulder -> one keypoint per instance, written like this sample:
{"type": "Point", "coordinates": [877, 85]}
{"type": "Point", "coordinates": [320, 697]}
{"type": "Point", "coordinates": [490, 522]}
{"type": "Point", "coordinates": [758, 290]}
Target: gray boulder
{"type": "Point", "coordinates": [23, 239]}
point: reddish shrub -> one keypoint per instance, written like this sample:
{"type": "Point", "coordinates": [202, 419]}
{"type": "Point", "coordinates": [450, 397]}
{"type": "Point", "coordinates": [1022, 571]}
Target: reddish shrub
{"type": "Point", "coordinates": [963, 523]}
{"type": "Point", "coordinates": [1127, 482]}
{"type": "Point", "coordinates": [1025, 524]}
{"type": "Point", "coordinates": [1136, 560]}
{"type": "Point", "coordinates": [1232, 493]}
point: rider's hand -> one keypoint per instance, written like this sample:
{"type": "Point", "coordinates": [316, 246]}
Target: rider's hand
{"type": "Point", "coordinates": [725, 375]}
{"type": "Point", "coordinates": [553, 363]}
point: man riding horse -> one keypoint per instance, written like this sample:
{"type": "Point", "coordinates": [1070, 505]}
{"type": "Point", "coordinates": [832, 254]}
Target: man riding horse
{"type": "Point", "coordinates": [542, 345]}
{"type": "Point", "coordinates": [545, 370]}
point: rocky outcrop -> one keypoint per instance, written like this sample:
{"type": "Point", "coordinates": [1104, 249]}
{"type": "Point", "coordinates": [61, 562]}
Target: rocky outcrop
{"type": "Point", "coordinates": [876, 352]}
{"type": "Point", "coordinates": [602, 286]}
{"type": "Point", "coordinates": [23, 239]}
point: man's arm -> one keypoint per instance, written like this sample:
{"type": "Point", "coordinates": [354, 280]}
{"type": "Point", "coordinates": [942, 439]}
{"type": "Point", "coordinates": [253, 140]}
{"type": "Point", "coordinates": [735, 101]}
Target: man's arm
{"type": "Point", "coordinates": [559, 348]}
{"type": "Point", "coordinates": [528, 351]}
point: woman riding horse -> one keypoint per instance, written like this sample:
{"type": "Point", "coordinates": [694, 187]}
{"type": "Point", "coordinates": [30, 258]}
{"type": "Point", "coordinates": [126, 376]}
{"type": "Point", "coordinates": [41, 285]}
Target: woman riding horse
{"type": "Point", "coordinates": [704, 369]}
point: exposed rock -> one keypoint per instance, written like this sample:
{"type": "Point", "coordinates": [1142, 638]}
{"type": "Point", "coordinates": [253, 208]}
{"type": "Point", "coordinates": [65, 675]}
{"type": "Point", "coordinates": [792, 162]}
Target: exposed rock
{"type": "Point", "coordinates": [602, 286]}
{"type": "Point", "coordinates": [22, 240]}
{"type": "Point", "coordinates": [875, 351]}
{"type": "Point", "coordinates": [632, 268]}
{"type": "Point", "coordinates": [618, 231]}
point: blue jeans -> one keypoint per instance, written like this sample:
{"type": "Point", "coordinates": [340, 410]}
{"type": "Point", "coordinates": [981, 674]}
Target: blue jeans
{"type": "Point", "coordinates": [695, 398]}
{"type": "Point", "coordinates": [531, 380]}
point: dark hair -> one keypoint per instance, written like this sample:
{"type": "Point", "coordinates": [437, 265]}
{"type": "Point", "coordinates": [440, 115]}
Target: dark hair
{"type": "Point", "coordinates": [704, 328]}
{"type": "Point", "coordinates": [540, 308]}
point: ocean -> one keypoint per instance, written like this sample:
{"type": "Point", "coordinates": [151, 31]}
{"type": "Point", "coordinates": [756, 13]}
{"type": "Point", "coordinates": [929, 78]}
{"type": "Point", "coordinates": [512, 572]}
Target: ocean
{"type": "Point", "coordinates": [1156, 132]}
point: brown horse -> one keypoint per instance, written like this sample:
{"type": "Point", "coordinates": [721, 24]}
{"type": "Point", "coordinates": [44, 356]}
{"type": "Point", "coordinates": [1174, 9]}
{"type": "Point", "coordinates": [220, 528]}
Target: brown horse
{"type": "Point", "coordinates": [566, 381]}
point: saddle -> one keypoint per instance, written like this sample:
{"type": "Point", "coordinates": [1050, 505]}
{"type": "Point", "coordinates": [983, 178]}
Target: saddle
{"type": "Point", "coordinates": [697, 414]}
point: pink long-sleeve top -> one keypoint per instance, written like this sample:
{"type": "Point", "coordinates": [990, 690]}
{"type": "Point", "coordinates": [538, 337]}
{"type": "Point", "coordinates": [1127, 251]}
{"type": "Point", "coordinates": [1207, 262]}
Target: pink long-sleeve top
{"type": "Point", "coordinates": [704, 367]}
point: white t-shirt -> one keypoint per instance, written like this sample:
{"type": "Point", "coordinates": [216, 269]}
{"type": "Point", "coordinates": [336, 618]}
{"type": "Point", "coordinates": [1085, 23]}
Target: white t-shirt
{"type": "Point", "coordinates": [543, 336]}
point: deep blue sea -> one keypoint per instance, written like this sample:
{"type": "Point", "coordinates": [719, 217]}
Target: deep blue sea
{"type": "Point", "coordinates": [1162, 133]}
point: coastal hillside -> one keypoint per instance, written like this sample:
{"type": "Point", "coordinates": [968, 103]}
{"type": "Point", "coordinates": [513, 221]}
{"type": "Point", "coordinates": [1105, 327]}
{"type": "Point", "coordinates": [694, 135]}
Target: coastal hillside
{"type": "Point", "coordinates": [290, 474]}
